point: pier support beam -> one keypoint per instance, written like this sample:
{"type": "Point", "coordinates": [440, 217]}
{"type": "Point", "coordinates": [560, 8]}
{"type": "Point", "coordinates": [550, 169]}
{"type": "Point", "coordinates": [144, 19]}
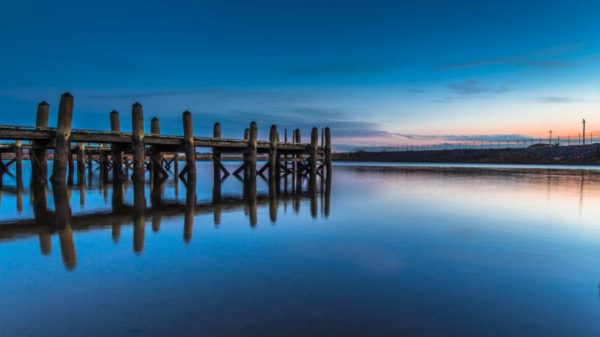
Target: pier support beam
{"type": "Point", "coordinates": [217, 165]}
{"type": "Point", "coordinates": [116, 151]}
{"type": "Point", "coordinates": [139, 153]}
{"type": "Point", "coordinates": [158, 173]}
{"type": "Point", "coordinates": [314, 143]}
{"type": "Point", "coordinates": [80, 164]}
{"type": "Point", "coordinates": [327, 154]}
{"type": "Point", "coordinates": [250, 172]}
{"type": "Point", "coordinates": [38, 155]}
{"type": "Point", "coordinates": [62, 141]}
{"type": "Point", "coordinates": [273, 155]}
{"type": "Point", "coordinates": [297, 165]}
{"type": "Point", "coordinates": [138, 177]}
{"type": "Point", "coordinates": [190, 151]}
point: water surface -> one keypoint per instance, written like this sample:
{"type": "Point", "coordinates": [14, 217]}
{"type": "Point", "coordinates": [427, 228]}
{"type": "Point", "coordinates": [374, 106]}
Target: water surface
{"type": "Point", "coordinates": [392, 250]}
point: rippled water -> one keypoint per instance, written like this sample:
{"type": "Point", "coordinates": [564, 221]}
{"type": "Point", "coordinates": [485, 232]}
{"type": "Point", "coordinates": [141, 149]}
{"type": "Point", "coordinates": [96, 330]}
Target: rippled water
{"type": "Point", "coordinates": [394, 250]}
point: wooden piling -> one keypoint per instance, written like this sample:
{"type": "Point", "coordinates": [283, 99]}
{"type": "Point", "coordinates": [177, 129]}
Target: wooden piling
{"type": "Point", "coordinates": [139, 179]}
{"type": "Point", "coordinates": [38, 155]}
{"type": "Point", "coordinates": [80, 164]}
{"type": "Point", "coordinates": [62, 141]}
{"type": "Point", "coordinates": [19, 159]}
{"type": "Point", "coordinates": [314, 142]}
{"type": "Point", "coordinates": [176, 164]}
{"type": "Point", "coordinates": [157, 157]}
{"type": "Point", "coordinates": [250, 173]}
{"type": "Point", "coordinates": [252, 151]}
{"type": "Point", "coordinates": [297, 164]}
{"type": "Point", "coordinates": [190, 168]}
{"type": "Point", "coordinates": [116, 152]}
{"type": "Point", "coordinates": [190, 150]}
{"type": "Point", "coordinates": [273, 157]}
{"type": "Point", "coordinates": [41, 118]}
{"type": "Point", "coordinates": [155, 126]}
{"type": "Point", "coordinates": [71, 167]}
{"type": "Point", "coordinates": [216, 155]}
{"type": "Point", "coordinates": [139, 155]}
{"type": "Point", "coordinates": [327, 153]}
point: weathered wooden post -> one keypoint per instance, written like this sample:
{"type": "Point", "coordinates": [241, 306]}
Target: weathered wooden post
{"type": "Point", "coordinates": [80, 164]}
{"type": "Point", "coordinates": [286, 163]}
{"type": "Point", "coordinates": [250, 173]}
{"type": "Point", "coordinates": [328, 161]}
{"type": "Point", "coordinates": [157, 157]}
{"type": "Point", "coordinates": [42, 115]}
{"type": "Point", "coordinates": [116, 151]}
{"type": "Point", "coordinates": [273, 157]}
{"type": "Point", "coordinates": [314, 143]}
{"type": "Point", "coordinates": [190, 170]}
{"type": "Point", "coordinates": [37, 154]}
{"type": "Point", "coordinates": [176, 164]}
{"type": "Point", "coordinates": [62, 142]}
{"type": "Point", "coordinates": [19, 179]}
{"type": "Point", "coordinates": [312, 181]}
{"type": "Point", "coordinates": [252, 151]}
{"type": "Point", "coordinates": [139, 169]}
{"type": "Point", "coordinates": [71, 166]}
{"type": "Point", "coordinates": [19, 159]}
{"type": "Point", "coordinates": [90, 165]}
{"type": "Point", "coordinates": [190, 150]}
{"type": "Point", "coordinates": [297, 164]}
{"type": "Point", "coordinates": [155, 126]}
{"type": "Point", "coordinates": [139, 153]}
{"type": "Point", "coordinates": [216, 155]}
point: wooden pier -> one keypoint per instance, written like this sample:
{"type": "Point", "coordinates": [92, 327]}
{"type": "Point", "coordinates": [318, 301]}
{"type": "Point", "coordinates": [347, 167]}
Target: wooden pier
{"type": "Point", "coordinates": [116, 152]}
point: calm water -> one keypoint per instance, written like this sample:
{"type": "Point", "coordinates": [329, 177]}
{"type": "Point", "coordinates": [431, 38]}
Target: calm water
{"type": "Point", "coordinates": [393, 251]}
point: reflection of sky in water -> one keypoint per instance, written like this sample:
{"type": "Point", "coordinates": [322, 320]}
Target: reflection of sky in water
{"type": "Point", "coordinates": [405, 251]}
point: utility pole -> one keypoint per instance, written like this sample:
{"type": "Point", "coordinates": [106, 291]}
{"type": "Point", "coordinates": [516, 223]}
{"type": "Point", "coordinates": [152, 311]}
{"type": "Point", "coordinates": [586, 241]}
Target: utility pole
{"type": "Point", "coordinates": [583, 131]}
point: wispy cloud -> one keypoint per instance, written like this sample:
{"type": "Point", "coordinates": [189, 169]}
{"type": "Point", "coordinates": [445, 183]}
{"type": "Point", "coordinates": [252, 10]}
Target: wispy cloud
{"type": "Point", "coordinates": [474, 87]}
{"type": "Point", "coordinates": [561, 99]}
{"type": "Point", "coordinates": [554, 57]}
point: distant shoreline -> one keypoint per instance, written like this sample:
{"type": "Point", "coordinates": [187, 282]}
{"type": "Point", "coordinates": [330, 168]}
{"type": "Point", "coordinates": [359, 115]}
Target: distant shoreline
{"type": "Point", "coordinates": [548, 155]}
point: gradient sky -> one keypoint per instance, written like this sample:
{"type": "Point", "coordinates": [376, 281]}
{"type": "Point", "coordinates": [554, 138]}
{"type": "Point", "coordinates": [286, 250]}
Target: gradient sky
{"type": "Point", "coordinates": [377, 72]}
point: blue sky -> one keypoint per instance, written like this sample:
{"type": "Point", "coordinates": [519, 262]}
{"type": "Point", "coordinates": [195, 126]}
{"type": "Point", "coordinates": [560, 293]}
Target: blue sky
{"type": "Point", "coordinates": [377, 72]}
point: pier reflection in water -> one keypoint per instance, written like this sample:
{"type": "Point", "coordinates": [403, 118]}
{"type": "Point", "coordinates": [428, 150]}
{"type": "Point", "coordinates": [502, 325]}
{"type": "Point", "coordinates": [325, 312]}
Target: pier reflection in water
{"type": "Point", "coordinates": [127, 205]}
{"type": "Point", "coordinates": [385, 251]}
